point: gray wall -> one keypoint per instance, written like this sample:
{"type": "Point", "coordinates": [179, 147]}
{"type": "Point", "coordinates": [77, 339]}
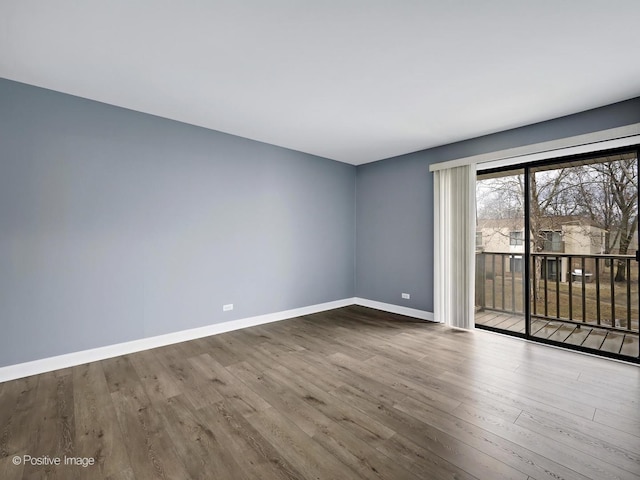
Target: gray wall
{"type": "Point", "coordinates": [394, 204]}
{"type": "Point", "coordinates": [115, 225]}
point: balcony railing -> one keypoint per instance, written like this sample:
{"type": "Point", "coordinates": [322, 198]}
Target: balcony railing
{"type": "Point", "coordinates": [572, 288]}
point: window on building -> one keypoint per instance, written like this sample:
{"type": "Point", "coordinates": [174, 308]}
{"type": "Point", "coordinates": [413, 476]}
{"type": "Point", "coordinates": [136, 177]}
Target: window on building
{"type": "Point", "coordinates": [478, 239]}
{"type": "Point", "coordinates": [552, 241]}
{"type": "Point", "coordinates": [516, 238]}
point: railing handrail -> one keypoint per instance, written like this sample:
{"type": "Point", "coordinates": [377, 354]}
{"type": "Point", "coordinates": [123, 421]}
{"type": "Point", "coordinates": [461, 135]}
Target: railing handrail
{"type": "Point", "coordinates": [559, 254]}
{"type": "Point", "coordinates": [609, 313]}
{"type": "Point", "coordinates": [581, 255]}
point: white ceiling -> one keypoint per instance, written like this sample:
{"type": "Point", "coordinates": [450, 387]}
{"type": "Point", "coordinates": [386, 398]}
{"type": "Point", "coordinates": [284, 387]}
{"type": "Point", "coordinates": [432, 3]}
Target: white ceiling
{"type": "Point", "coordinates": [355, 81]}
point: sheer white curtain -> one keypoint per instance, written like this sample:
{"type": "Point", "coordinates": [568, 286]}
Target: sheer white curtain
{"type": "Point", "coordinates": [454, 245]}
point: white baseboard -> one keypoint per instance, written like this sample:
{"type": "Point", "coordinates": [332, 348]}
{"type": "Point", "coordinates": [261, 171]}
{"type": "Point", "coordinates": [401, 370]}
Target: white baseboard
{"type": "Point", "coordinates": [44, 365]}
{"type": "Point", "coordinates": [389, 307]}
{"type": "Point", "coordinates": [35, 367]}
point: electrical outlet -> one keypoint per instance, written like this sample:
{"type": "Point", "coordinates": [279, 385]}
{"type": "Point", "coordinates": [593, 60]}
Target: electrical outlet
{"type": "Point", "coordinates": [406, 296]}
{"type": "Point", "coordinates": [227, 307]}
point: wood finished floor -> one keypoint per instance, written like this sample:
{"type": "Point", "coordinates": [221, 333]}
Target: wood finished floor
{"type": "Point", "coordinates": [347, 394]}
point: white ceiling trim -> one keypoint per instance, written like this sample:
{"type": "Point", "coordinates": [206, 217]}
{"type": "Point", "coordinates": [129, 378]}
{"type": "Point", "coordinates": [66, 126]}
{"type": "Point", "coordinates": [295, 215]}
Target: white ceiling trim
{"type": "Point", "coordinates": [563, 147]}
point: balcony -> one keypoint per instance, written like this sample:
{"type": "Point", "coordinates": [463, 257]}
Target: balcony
{"type": "Point", "coordinates": [575, 298]}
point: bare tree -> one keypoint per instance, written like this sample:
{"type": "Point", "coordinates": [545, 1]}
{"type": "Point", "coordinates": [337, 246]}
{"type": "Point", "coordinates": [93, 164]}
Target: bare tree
{"type": "Point", "coordinates": [551, 197]}
{"type": "Point", "coordinates": [604, 192]}
{"type": "Point", "coordinates": [503, 198]}
{"type": "Point", "coordinates": [595, 199]}
{"type": "Point", "coordinates": [607, 193]}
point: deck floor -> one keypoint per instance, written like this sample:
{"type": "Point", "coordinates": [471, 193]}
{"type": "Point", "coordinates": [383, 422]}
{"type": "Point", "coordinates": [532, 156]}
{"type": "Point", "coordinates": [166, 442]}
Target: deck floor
{"type": "Point", "coordinates": [584, 335]}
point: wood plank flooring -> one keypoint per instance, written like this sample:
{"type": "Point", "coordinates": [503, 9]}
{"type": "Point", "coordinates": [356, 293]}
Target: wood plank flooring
{"type": "Point", "coordinates": [626, 344]}
{"type": "Point", "coordinates": [352, 393]}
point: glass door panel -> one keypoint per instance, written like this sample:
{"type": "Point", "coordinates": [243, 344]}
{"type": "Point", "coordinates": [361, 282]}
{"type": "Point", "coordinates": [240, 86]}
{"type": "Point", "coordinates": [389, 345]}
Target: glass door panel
{"type": "Point", "coordinates": [500, 253]}
{"type": "Point", "coordinates": [583, 219]}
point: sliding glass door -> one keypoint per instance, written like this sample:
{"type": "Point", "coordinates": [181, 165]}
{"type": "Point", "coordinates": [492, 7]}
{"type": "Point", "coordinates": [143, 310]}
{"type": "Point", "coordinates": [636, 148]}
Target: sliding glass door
{"type": "Point", "coordinates": [556, 251]}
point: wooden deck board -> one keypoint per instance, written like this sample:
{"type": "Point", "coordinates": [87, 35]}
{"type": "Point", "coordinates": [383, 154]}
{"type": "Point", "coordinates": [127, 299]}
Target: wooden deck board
{"type": "Point", "coordinates": [585, 335]}
{"type": "Point", "coordinates": [612, 342]}
{"type": "Point", "coordinates": [512, 323]}
{"type": "Point", "coordinates": [578, 336]}
{"type": "Point", "coordinates": [564, 332]}
{"type": "Point", "coordinates": [536, 326]}
{"type": "Point", "coordinates": [595, 339]}
{"type": "Point", "coordinates": [548, 329]}
{"type": "Point", "coordinates": [493, 318]}
{"type": "Point", "coordinates": [630, 346]}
